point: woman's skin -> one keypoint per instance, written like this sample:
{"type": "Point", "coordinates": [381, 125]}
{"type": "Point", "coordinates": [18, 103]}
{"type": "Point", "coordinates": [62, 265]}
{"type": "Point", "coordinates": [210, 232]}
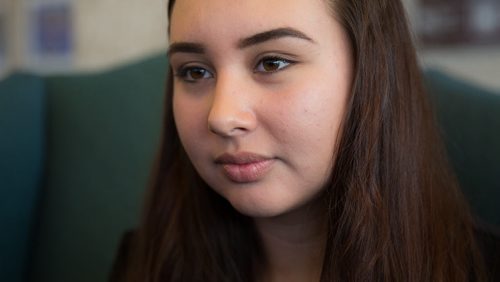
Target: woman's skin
{"type": "Point", "coordinates": [259, 96]}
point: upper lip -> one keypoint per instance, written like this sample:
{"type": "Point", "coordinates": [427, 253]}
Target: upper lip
{"type": "Point", "coordinates": [240, 158]}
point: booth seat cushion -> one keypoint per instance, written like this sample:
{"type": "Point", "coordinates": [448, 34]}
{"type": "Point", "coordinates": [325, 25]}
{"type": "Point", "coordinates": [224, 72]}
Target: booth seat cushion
{"type": "Point", "coordinates": [22, 135]}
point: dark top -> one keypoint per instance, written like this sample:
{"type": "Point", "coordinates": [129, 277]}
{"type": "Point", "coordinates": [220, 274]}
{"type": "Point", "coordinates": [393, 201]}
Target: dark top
{"type": "Point", "coordinates": [117, 273]}
{"type": "Point", "coordinates": [488, 238]}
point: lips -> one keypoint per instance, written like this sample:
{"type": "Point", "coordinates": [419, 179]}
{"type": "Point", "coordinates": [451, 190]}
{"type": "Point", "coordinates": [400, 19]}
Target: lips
{"type": "Point", "coordinates": [244, 167]}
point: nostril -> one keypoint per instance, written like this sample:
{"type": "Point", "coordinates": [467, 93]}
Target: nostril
{"type": "Point", "coordinates": [224, 128]}
{"type": "Point", "coordinates": [231, 125]}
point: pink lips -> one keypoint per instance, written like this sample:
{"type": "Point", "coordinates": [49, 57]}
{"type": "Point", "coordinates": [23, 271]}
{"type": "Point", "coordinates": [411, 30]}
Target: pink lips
{"type": "Point", "coordinates": [244, 167]}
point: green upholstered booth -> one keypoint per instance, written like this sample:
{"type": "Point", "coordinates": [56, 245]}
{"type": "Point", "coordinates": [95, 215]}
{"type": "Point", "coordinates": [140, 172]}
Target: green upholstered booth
{"type": "Point", "coordinates": [76, 151]}
{"type": "Point", "coordinates": [75, 156]}
{"type": "Point", "coordinates": [469, 118]}
{"type": "Point", "coordinates": [22, 144]}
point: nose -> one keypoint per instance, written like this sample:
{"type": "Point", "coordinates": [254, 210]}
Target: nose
{"type": "Point", "coordinates": [231, 113]}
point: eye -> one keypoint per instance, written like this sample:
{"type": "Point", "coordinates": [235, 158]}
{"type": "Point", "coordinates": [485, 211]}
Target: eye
{"type": "Point", "coordinates": [272, 64]}
{"type": "Point", "coordinates": [193, 74]}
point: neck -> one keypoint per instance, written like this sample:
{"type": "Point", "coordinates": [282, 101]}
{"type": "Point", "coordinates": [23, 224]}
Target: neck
{"type": "Point", "coordinates": [293, 245]}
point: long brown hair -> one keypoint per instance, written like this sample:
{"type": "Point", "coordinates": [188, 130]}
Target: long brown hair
{"type": "Point", "coordinates": [394, 212]}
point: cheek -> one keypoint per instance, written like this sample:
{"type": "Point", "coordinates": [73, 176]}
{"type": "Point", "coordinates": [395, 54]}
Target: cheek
{"type": "Point", "coordinates": [190, 120]}
{"type": "Point", "coordinates": [307, 122]}
{"type": "Point", "coordinates": [325, 103]}
{"type": "Point", "coordinates": [180, 118]}
{"type": "Point", "coordinates": [312, 112]}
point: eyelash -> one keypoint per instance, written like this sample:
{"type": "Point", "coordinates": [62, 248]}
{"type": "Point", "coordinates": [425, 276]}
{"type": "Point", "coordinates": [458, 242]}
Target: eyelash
{"type": "Point", "coordinates": [185, 72]}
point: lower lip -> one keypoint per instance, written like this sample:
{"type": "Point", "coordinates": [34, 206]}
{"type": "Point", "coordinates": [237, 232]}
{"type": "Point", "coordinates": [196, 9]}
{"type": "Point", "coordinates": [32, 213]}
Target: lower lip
{"type": "Point", "coordinates": [249, 172]}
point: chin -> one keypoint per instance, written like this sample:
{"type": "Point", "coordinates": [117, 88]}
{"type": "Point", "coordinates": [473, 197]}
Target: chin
{"type": "Point", "coordinates": [257, 207]}
{"type": "Point", "coordinates": [257, 212]}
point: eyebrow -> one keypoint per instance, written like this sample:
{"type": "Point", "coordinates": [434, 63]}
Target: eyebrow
{"type": "Point", "coordinates": [274, 34]}
{"type": "Point", "coordinates": [185, 47]}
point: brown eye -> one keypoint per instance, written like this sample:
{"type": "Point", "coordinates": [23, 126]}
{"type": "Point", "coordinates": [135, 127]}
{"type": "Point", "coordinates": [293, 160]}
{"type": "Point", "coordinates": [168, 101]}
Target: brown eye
{"type": "Point", "coordinates": [197, 73]}
{"type": "Point", "coordinates": [193, 74]}
{"type": "Point", "coordinates": [272, 64]}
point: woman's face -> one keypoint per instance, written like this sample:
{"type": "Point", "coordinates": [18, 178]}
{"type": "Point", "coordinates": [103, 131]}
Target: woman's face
{"type": "Point", "coordinates": [260, 89]}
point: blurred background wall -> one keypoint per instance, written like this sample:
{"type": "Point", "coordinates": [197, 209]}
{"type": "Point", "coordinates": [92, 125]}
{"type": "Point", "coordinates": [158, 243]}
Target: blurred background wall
{"type": "Point", "coordinates": [461, 37]}
{"type": "Point", "coordinates": [97, 34]}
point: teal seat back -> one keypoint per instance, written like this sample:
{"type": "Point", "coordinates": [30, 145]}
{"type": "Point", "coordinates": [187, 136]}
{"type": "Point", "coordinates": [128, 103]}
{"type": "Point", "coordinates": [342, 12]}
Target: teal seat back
{"type": "Point", "coordinates": [469, 118]}
{"type": "Point", "coordinates": [103, 133]}
{"type": "Point", "coordinates": [22, 142]}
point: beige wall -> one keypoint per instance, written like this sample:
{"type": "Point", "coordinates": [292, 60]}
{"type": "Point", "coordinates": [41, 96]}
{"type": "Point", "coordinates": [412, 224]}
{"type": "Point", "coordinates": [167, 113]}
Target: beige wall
{"type": "Point", "coordinates": [115, 31]}
{"type": "Point", "coordinates": [107, 33]}
{"type": "Point", "coordinates": [478, 65]}
{"type": "Point", "coordinates": [8, 12]}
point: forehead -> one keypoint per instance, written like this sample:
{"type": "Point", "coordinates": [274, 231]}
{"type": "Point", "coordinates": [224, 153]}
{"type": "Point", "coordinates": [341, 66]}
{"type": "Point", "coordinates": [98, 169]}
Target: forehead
{"type": "Point", "coordinates": [231, 19]}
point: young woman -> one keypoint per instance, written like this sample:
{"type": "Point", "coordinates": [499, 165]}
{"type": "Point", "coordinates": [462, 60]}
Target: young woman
{"type": "Point", "coordinates": [299, 146]}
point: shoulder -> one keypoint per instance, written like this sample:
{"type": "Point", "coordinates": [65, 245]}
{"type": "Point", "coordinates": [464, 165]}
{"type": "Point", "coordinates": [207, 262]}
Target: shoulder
{"type": "Point", "coordinates": [488, 239]}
